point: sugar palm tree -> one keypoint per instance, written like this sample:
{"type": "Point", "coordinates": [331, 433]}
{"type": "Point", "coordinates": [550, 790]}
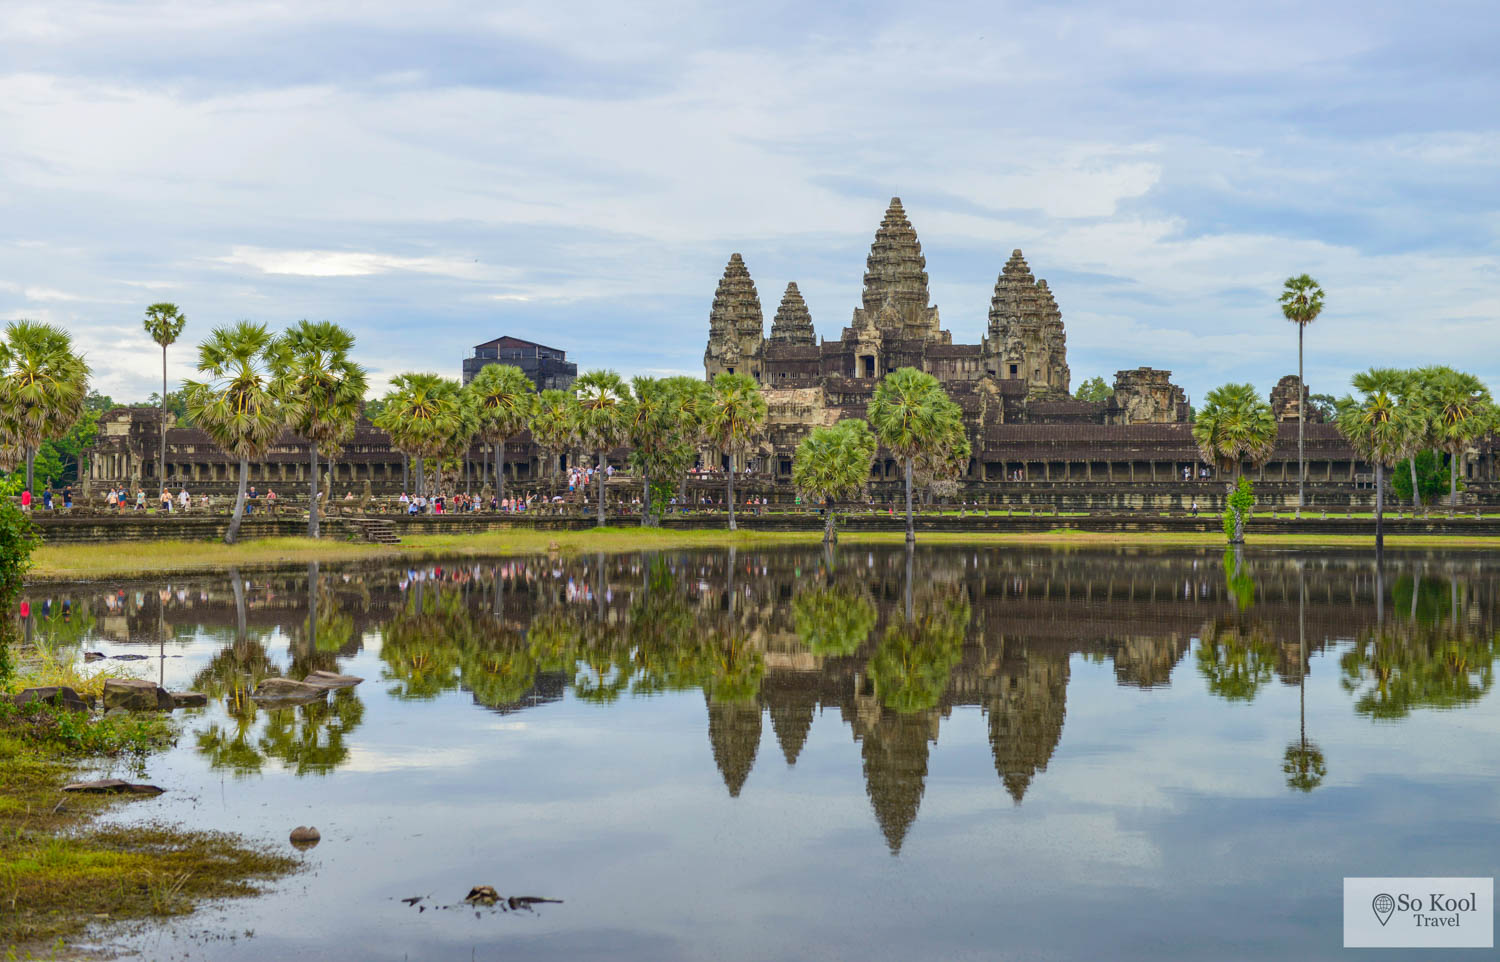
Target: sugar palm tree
{"type": "Point", "coordinates": [601, 417]}
{"type": "Point", "coordinates": [1234, 425]}
{"type": "Point", "coordinates": [1378, 430]}
{"type": "Point", "coordinates": [1461, 410]}
{"type": "Point", "coordinates": [235, 403]}
{"type": "Point", "coordinates": [43, 384]}
{"type": "Point", "coordinates": [689, 401]}
{"type": "Point", "coordinates": [164, 322]}
{"type": "Point", "coordinates": [1301, 303]}
{"type": "Point", "coordinates": [834, 462]}
{"type": "Point", "coordinates": [321, 392]}
{"type": "Point", "coordinates": [552, 425]}
{"type": "Point", "coordinates": [914, 418]}
{"type": "Point", "coordinates": [421, 414]}
{"type": "Point", "coordinates": [1413, 390]}
{"type": "Point", "coordinates": [503, 399]}
{"type": "Point", "coordinates": [733, 422]}
{"type": "Point", "coordinates": [661, 437]}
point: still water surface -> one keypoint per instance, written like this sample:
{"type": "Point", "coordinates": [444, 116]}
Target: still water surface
{"type": "Point", "coordinates": [778, 754]}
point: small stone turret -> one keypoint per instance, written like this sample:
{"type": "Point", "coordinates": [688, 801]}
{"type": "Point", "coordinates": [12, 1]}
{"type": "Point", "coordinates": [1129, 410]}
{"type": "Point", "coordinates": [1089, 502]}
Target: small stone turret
{"type": "Point", "coordinates": [736, 326]}
{"type": "Point", "coordinates": [1026, 339]}
{"type": "Point", "coordinates": [1146, 395]}
{"type": "Point", "coordinates": [1284, 401]}
{"type": "Point", "coordinates": [793, 323]}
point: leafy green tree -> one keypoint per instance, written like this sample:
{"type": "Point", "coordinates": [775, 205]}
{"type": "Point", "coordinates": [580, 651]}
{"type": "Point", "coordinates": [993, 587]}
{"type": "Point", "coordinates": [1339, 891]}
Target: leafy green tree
{"type": "Point", "coordinates": [1301, 303]}
{"type": "Point", "coordinates": [422, 414]}
{"type": "Point", "coordinates": [552, 425]}
{"type": "Point", "coordinates": [663, 437]}
{"type": "Point", "coordinates": [320, 390]}
{"type": "Point", "coordinates": [1402, 667]}
{"type": "Point", "coordinates": [1235, 658]}
{"type": "Point", "coordinates": [1378, 429]}
{"type": "Point", "coordinates": [734, 422]}
{"type": "Point", "coordinates": [913, 417]}
{"type": "Point", "coordinates": [1095, 390]}
{"type": "Point", "coordinates": [1235, 424]}
{"type": "Point", "coordinates": [831, 463]}
{"type": "Point", "coordinates": [601, 417]}
{"type": "Point", "coordinates": [689, 399]}
{"type": "Point", "coordinates": [1461, 411]}
{"type": "Point", "coordinates": [1325, 404]}
{"type": "Point", "coordinates": [43, 384]}
{"type": "Point", "coordinates": [235, 404]}
{"type": "Point", "coordinates": [503, 399]}
{"type": "Point", "coordinates": [1237, 508]}
{"type": "Point", "coordinates": [1431, 476]}
{"type": "Point", "coordinates": [164, 322]}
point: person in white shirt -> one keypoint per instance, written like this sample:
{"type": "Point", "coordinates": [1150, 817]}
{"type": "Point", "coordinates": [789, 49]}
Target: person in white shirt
{"type": "Point", "coordinates": [183, 499]}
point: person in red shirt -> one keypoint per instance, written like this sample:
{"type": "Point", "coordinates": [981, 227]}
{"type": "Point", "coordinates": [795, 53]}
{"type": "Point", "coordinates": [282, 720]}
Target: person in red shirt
{"type": "Point", "coordinates": [26, 500]}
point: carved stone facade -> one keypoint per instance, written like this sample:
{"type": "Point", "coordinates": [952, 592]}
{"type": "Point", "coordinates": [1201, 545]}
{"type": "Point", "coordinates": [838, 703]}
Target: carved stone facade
{"type": "Point", "coordinates": [1284, 399]}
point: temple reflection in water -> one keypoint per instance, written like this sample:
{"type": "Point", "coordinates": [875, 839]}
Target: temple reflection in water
{"type": "Point", "coordinates": [892, 642]}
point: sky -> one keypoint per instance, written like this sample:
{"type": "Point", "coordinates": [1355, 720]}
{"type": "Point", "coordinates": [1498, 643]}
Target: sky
{"type": "Point", "coordinates": [436, 175]}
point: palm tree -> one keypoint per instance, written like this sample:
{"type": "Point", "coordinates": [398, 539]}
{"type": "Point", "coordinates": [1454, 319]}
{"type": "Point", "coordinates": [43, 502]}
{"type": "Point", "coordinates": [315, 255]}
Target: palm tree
{"type": "Point", "coordinates": [689, 402]}
{"type": "Point", "coordinates": [1461, 411]}
{"type": "Point", "coordinates": [914, 418]}
{"type": "Point", "coordinates": [1301, 303]}
{"type": "Point", "coordinates": [832, 463]}
{"type": "Point", "coordinates": [661, 437]}
{"type": "Point", "coordinates": [552, 425]}
{"type": "Point", "coordinates": [733, 422]}
{"type": "Point", "coordinates": [421, 414]}
{"type": "Point", "coordinates": [164, 322]}
{"type": "Point", "coordinates": [43, 383]}
{"type": "Point", "coordinates": [601, 418]}
{"type": "Point", "coordinates": [321, 392]}
{"type": "Point", "coordinates": [235, 404]}
{"type": "Point", "coordinates": [1378, 429]}
{"type": "Point", "coordinates": [503, 398]}
{"type": "Point", "coordinates": [1234, 425]}
{"type": "Point", "coordinates": [1413, 392]}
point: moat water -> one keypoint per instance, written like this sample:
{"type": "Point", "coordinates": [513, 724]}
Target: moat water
{"type": "Point", "coordinates": [778, 754]}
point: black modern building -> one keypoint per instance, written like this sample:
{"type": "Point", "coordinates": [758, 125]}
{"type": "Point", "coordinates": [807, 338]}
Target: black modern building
{"type": "Point", "coordinates": [546, 366]}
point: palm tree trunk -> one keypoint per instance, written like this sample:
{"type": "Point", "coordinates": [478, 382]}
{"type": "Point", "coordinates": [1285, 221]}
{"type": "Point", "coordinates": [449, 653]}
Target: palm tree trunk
{"type": "Point", "coordinates": [233, 534]}
{"type": "Point", "coordinates": [1379, 508]}
{"type": "Point", "coordinates": [599, 471]}
{"type": "Point", "coordinates": [1452, 481]}
{"type": "Point", "coordinates": [1416, 494]}
{"type": "Point", "coordinates": [830, 531]}
{"type": "Point", "coordinates": [499, 469]}
{"type": "Point", "coordinates": [729, 476]}
{"type": "Point", "coordinates": [645, 499]}
{"type": "Point", "coordinates": [31, 470]}
{"type": "Point", "coordinates": [312, 494]}
{"type": "Point", "coordinates": [405, 473]}
{"type": "Point", "coordinates": [1301, 418]}
{"type": "Point", "coordinates": [911, 531]}
{"type": "Point", "coordinates": [161, 428]}
{"type": "Point", "coordinates": [421, 477]}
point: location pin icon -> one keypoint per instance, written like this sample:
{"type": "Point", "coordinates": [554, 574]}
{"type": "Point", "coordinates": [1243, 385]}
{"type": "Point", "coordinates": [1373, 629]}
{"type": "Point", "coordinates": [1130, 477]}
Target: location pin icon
{"type": "Point", "coordinates": [1383, 905]}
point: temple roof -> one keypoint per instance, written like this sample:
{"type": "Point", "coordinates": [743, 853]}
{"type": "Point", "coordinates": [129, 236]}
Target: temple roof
{"type": "Point", "coordinates": [736, 304]}
{"type": "Point", "coordinates": [793, 323]}
{"type": "Point", "coordinates": [1020, 299]}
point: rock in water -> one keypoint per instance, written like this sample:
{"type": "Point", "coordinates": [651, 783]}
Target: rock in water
{"type": "Point", "coordinates": [305, 837]}
{"type": "Point", "coordinates": [93, 656]}
{"type": "Point", "coordinates": [189, 699]}
{"type": "Point", "coordinates": [112, 786]}
{"type": "Point", "coordinates": [482, 895]}
{"type": "Point", "coordinates": [287, 690]}
{"type": "Point", "coordinates": [329, 679]}
{"type": "Point", "coordinates": [58, 696]}
{"type": "Point", "coordinates": [136, 695]}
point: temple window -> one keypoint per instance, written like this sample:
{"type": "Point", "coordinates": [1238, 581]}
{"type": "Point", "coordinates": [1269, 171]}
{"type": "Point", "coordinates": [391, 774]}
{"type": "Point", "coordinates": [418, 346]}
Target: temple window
{"type": "Point", "coordinates": [1014, 370]}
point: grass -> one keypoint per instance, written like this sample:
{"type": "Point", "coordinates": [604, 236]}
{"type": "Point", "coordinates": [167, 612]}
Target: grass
{"type": "Point", "coordinates": [43, 666]}
{"type": "Point", "coordinates": [84, 562]}
{"type": "Point", "coordinates": [59, 873]}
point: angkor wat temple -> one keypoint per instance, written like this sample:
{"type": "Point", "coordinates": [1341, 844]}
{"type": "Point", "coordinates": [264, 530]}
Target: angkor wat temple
{"type": "Point", "coordinates": [1033, 442]}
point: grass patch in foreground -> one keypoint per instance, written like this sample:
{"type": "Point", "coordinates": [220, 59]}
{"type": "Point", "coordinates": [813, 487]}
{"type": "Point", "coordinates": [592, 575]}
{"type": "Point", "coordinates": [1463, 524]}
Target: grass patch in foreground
{"type": "Point", "coordinates": [83, 562]}
{"type": "Point", "coordinates": [59, 874]}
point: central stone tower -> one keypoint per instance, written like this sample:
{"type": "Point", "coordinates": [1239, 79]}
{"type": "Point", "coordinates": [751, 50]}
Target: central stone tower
{"type": "Point", "coordinates": [1026, 339]}
{"type": "Point", "coordinates": [895, 298]}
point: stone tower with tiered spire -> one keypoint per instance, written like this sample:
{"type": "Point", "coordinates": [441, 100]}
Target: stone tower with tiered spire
{"type": "Point", "coordinates": [793, 323]}
{"type": "Point", "coordinates": [895, 296]}
{"type": "Point", "coordinates": [736, 326]}
{"type": "Point", "coordinates": [1026, 339]}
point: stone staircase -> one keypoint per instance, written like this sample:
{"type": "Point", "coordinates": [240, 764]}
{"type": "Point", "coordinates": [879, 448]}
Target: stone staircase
{"type": "Point", "coordinates": [374, 530]}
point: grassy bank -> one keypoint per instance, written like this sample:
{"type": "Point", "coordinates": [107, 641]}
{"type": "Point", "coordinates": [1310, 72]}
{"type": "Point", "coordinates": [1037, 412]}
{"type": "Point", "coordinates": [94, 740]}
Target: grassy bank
{"type": "Point", "coordinates": [60, 872]}
{"type": "Point", "coordinates": [84, 562]}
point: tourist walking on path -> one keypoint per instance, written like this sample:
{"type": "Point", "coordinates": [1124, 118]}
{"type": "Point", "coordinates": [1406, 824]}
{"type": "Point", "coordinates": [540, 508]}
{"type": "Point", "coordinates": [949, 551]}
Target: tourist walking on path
{"type": "Point", "coordinates": [140, 499]}
{"type": "Point", "coordinates": [26, 499]}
